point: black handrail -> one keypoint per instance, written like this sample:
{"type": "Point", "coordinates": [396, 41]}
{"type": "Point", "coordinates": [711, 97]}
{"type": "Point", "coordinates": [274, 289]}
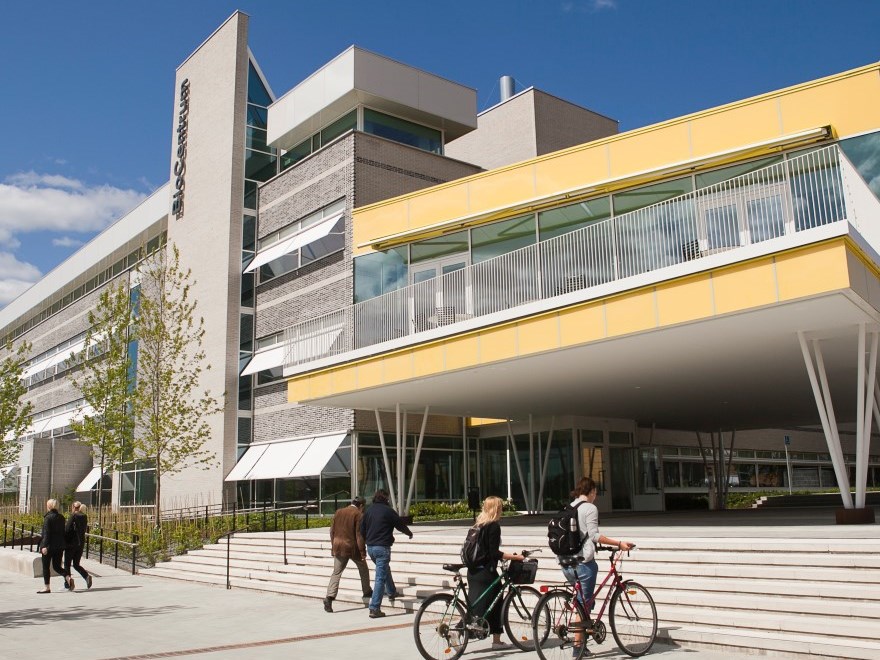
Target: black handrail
{"type": "Point", "coordinates": [228, 536]}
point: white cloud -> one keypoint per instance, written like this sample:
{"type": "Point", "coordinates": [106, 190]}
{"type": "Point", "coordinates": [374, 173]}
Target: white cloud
{"type": "Point", "coordinates": [66, 241]}
{"type": "Point", "coordinates": [587, 6]}
{"type": "Point", "coordinates": [15, 277]}
{"type": "Point", "coordinates": [46, 202]}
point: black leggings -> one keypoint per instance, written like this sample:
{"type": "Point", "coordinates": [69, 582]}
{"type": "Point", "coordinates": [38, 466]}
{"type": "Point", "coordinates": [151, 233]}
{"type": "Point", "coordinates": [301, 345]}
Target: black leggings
{"type": "Point", "coordinates": [72, 556]}
{"type": "Point", "coordinates": [53, 559]}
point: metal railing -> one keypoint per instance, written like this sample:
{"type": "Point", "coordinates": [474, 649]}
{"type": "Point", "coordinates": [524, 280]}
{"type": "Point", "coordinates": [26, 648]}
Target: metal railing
{"type": "Point", "coordinates": [28, 535]}
{"type": "Point", "coordinates": [794, 195]}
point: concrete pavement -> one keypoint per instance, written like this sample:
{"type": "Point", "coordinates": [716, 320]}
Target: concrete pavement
{"type": "Point", "coordinates": [129, 617]}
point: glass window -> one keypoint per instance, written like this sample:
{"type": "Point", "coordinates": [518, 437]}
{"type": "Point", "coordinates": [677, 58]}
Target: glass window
{"type": "Point", "coordinates": [257, 92]}
{"type": "Point", "coordinates": [379, 272]}
{"type": "Point", "coordinates": [556, 222]}
{"type": "Point", "coordinates": [639, 198]}
{"type": "Point", "coordinates": [499, 238]}
{"type": "Point", "coordinates": [332, 242]}
{"type": "Point", "coordinates": [296, 154]}
{"type": "Point", "coordinates": [693, 475]}
{"type": "Point", "coordinates": [403, 131]}
{"type": "Point", "coordinates": [864, 152]}
{"type": "Point", "coordinates": [746, 475]}
{"type": "Point", "coordinates": [726, 173]}
{"type": "Point", "coordinates": [345, 123]}
{"type": "Point", "coordinates": [259, 166]}
{"type": "Point", "coordinates": [245, 424]}
{"type": "Point", "coordinates": [672, 474]}
{"type": "Point", "coordinates": [250, 194]}
{"type": "Point", "coordinates": [256, 139]}
{"type": "Point", "coordinates": [247, 290]}
{"type": "Point", "coordinates": [434, 248]}
{"type": "Point", "coordinates": [279, 266]}
{"type": "Point", "coordinates": [771, 476]}
{"type": "Point", "coordinates": [248, 232]}
{"type": "Point", "coordinates": [257, 116]}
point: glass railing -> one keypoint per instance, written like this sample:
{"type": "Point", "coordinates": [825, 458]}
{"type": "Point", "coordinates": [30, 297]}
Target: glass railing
{"type": "Point", "coordinates": [796, 195]}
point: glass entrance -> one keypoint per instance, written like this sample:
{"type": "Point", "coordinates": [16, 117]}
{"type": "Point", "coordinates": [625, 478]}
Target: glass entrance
{"type": "Point", "coordinates": [592, 458]}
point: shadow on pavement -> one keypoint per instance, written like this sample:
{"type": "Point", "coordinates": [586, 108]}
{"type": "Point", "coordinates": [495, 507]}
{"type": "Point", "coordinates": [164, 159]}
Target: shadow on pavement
{"type": "Point", "coordinates": [35, 616]}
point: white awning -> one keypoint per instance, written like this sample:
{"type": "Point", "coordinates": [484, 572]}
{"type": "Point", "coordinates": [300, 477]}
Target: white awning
{"type": "Point", "coordinates": [286, 458]}
{"type": "Point", "coordinates": [318, 455]}
{"type": "Point", "coordinates": [314, 233]}
{"type": "Point", "coordinates": [246, 462]}
{"type": "Point", "coordinates": [266, 359]}
{"type": "Point", "coordinates": [89, 482]}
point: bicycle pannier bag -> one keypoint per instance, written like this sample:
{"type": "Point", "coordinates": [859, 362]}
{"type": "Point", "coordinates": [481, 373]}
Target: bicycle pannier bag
{"type": "Point", "coordinates": [473, 554]}
{"type": "Point", "coordinates": [563, 532]}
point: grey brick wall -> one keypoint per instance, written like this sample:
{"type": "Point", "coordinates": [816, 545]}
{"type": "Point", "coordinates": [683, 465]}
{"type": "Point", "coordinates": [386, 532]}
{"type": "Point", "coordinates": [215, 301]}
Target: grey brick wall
{"type": "Point", "coordinates": [72, 462]}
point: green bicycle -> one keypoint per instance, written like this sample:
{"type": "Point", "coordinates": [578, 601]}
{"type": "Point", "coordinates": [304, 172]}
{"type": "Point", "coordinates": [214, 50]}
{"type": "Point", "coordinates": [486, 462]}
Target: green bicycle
{"type": "Point", "coordinates": [444, 623]}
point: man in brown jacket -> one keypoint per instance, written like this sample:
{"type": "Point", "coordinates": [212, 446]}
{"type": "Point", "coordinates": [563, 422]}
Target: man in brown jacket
{"type": "Point", "coordinates": [348, 543]}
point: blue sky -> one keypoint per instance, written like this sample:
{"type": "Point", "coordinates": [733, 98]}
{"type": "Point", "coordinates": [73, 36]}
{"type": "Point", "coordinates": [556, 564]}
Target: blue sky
{"type": "Point", "coordinates": [88, 87]}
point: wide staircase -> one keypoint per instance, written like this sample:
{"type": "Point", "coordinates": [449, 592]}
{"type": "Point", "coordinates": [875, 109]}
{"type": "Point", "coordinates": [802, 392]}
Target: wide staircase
{"type": "Point", "coordinates": [792, 592]}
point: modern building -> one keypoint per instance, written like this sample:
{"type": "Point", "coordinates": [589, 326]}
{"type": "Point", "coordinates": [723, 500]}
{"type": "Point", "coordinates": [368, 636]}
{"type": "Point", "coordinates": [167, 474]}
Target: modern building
{"type": "Point", "coordinates": [399, 291]}
{"type": "Point", "coordinates": [258, 203]}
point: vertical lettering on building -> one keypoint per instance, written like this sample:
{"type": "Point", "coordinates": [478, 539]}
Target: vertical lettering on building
{"type": "Point", "coordinates": [180, 163]}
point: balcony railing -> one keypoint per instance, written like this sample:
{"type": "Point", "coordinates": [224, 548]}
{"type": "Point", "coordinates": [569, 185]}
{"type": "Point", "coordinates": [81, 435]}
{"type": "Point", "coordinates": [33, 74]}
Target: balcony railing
{"type": "Point", "coordinates": [796, 195]}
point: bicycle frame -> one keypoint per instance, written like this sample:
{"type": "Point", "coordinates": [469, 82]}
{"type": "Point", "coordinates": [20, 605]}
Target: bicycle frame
{"type": "Point", "coordinates": [460, 587]}
{"type": "Point", "coordinates": [613, 575]}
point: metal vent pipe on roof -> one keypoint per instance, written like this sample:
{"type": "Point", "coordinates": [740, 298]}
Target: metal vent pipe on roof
{"type": "Point", "coordinates": [507, 87]}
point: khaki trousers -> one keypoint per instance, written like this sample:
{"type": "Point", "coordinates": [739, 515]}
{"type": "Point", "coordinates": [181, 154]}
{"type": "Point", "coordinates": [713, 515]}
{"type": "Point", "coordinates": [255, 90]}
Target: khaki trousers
{"type": "Point", "coordinates": [339, 564]}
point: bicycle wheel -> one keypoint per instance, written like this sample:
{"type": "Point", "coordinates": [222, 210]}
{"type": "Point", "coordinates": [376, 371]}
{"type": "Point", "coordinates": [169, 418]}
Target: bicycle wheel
{"type": "Point", "coordinates": [633, 618]}
{"type": "Point", "coordinates": [516, 612]}
{"type": "Point", "coordinates": [557, 625]}
{"type": "Point", "coordinates": [440, 629]}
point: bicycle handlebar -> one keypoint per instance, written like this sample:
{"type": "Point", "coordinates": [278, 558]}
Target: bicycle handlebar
{"type": "Point", "coordinates": [528, 553]}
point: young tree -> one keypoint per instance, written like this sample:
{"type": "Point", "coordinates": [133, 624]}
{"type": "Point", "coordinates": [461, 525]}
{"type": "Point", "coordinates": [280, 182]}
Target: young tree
{"type": "Point", "coordinates": [171, 412]}
{"type": "Point", "coordinates": [105, 382]}
{"type": "Point", "coordinates": [14, 417]}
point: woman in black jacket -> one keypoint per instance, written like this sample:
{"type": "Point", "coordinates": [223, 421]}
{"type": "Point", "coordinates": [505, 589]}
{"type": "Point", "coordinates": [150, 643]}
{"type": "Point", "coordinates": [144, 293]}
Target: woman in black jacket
{"type": "Point", "coordinates": [75, 535]}
{"type": "Point", "coordinates": [52, 543]}
{"type": "Point", "coordinates": [482, 577]}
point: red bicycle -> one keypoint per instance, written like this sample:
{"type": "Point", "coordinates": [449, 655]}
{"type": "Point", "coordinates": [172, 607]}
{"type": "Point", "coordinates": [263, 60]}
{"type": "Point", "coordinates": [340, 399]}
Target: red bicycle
{"type": "Point", "coordinates": [561, 625]}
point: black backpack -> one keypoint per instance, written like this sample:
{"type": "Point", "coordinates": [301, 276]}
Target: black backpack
{"type": "Point", "coordinates": [563, 532]}
{"type": "Point", "coordinates": [473, 552]}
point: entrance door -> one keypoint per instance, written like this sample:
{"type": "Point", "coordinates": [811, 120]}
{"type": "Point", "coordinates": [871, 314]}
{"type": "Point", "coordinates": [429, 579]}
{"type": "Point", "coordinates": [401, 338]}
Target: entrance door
{"type": "Point", "coordinates": [649, 493]}
{"type": "Point", "coordinates": [621, 478]}
{"type": "Point", "coordinates": [440, 293]}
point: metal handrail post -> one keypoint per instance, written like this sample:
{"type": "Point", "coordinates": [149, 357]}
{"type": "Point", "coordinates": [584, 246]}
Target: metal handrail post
{"type": "Point", "coordinates": [233, 514]}
{"type": "Point", "coordinates": [31, 545]}
{"type": "Point", "coordinates": [134, 552]}
{"type": "Point", "coordinates": [101, 546]}
{"type": "Point", "coordinates": [284, 519]}
{"type": "Point", "coordinates": [22, 535]}
{"type": "Point", "coordinates": [276, 520]}
{"type": "Point", "coordinates": [116, 549]}
{"type": "Point", "coordinates": [5, 525]}
{"type": "Point", "coordinates": [206, 517]}
{"type": "Point", "coordinates": [228, 544]}
{"type": "Point", "coordinates": [264, 516]}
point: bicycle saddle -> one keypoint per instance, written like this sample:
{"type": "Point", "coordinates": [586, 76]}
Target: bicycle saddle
{"type": "Point", "coordinates": [455, 568]}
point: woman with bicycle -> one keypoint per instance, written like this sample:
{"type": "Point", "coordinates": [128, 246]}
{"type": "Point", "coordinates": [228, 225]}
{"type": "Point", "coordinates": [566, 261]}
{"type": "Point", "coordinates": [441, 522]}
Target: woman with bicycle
{"type": "Point", "coordinates": [586, 569]}
{"type": "Point", "coordinates": [482, 578]}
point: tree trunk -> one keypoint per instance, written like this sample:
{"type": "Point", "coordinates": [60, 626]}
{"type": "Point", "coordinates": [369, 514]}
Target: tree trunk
{"type": "Point", "coordinates": [157, 508]}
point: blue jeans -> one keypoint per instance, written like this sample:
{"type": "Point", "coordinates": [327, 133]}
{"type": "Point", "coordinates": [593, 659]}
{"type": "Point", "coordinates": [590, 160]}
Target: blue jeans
{"type": "Point", "coordinates": [585, 573]}
{"type": "Point", "coordinates": [381, 556]}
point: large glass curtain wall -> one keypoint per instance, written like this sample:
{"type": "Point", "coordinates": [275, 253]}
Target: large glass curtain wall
{"type": "Point", "coordinates": [723, 208]}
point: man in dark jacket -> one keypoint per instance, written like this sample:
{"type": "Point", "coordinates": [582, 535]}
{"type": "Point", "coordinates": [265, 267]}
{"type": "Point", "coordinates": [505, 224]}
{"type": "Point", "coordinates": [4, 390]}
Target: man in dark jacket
{"type": "Point", "coordinates": [377, 527]}
{"type": "Point", "coordinates": [52, 543]}
{"type": "Point", "coordinates": [347, 542]}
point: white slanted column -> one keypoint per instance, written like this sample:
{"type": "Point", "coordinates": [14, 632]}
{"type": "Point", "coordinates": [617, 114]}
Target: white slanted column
{"type": "Point", "coordinates": [522, 482]}
{"type": "Point", "coordinates": [866, 410]}
{"type": "Point", "coordinates": [415, 467]}
{"type": "Point", "coordinates": [388, 474]}
{"type": "Point", "coordinates": [826, 414]}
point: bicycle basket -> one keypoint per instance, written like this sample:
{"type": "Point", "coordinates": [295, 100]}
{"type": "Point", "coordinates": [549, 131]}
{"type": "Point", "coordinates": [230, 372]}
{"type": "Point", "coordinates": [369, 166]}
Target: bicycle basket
{"type": "Point", "coordinates": [522, 572]}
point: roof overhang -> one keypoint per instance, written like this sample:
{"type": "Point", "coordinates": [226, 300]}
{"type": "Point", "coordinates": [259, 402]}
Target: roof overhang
{"type": "Point", "coordinates": [359, 77]}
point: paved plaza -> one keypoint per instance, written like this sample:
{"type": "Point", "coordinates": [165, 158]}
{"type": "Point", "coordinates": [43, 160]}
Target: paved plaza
{"type": "Point", "coordinates": [125, 616]}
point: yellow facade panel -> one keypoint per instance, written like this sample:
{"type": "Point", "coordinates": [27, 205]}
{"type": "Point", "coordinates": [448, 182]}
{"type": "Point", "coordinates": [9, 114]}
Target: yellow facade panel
{"type": "Point", "coordinates": [633, 312]}
{"type": "Point", "coordinates": [818, 269]}
{"type": "Point", "coordinates": [498, 344]}
{"type": "Point", "coordinates": [428, 360]}
{"type": "Point", "coordinates": [298, 389]}
{"type": "Point", "coordinates": [735, 127]}
{"type": "Point", "coordinates": [345, 379]}
{"type": "Point", "coordinates": [321, 384]}
{"type": "Point", "coordinates": [538, 334]}
{"type": "Point", "coordinates": [744, 286]}
{"type": "Point", "coordinates": [442, 204]}
{"type": "Point", "coordinates": [379, 221]}
{"type": "Point", "coordinates": [581, 324]}
{"type": "Point", "coordinates": [848, 104]}
{"type": "Point", "coordinates": [398, 367]}
{"type": "Point", "coordinates": [684, 300]}
{"type": "Point", "coordinates": [369, 373]}
{"type": "Point", "coordinates": [571, 170]}
{"type": "Point", "coordinates": [649, 150]}
{"type": "Point", "coordinates": [461, 352]}
{"type": "Point", "coordinates": [502, 188]}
